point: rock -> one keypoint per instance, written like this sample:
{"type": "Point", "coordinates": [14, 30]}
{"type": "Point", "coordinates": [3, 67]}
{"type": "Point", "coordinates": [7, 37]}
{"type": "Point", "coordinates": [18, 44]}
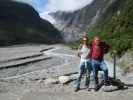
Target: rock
{"type": "Point", "coordinates": [51, 81]}
{"type": "Point", "coordinates": [74, 76]}
{"type": "Point", "coordinates": [40, 81]}
{"type": "Point", "coordinates": [110, 88]}
{"type": "Point", "coordinates": [64, 79]}
{"type": "Point", "coordinates": [126, 62]}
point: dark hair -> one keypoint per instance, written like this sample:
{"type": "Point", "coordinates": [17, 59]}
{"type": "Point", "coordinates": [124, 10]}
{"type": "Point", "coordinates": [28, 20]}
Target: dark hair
{"type": "Point", "coordinates": [86, 41]}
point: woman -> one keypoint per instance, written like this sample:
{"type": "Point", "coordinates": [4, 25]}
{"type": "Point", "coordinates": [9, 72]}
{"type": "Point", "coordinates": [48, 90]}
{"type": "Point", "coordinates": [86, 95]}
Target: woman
{"type": "Point", "coordinates": [85, 68]}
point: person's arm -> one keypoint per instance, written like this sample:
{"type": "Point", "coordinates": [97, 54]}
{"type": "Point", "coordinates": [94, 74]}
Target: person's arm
{"type": "Point", "coordinates": [79, 50]}
{"type": "Point", "coordinates": [106, 47]}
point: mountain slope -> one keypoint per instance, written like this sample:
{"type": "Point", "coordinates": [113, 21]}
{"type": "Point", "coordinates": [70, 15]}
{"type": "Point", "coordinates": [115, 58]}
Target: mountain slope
{"type": "Point", "coordinates": [111, 19]}
{"type": "Point", "coordinates": [20, 23]}
{"type": "Point", "coordinates": [72, 24]}
{"type": "Point", "coordinates": [116, 25]}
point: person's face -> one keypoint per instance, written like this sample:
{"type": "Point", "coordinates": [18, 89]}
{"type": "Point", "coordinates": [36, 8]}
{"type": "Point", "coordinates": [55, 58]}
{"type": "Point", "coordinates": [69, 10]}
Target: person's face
{"type": "Point", "coordinates": [84, 41]}
{"type": "Point", "coordinates": [97, 40]}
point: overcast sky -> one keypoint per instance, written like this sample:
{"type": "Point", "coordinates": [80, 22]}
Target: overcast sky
{"type": "Point", "coordinates": [66, 5]}
{"type": "Point", "coordinates": [46, 6]}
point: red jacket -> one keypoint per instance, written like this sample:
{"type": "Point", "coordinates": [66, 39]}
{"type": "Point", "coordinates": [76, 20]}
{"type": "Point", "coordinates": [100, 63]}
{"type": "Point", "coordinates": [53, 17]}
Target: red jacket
{"type": "Point", "coordinates": [97, 52]}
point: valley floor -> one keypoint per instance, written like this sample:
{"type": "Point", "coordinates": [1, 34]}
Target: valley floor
{"type": "Point", "coordinates": [35, 77]}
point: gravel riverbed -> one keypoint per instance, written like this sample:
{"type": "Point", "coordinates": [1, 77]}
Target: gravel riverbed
{"type": "Point", "coordinates": [28, 82]}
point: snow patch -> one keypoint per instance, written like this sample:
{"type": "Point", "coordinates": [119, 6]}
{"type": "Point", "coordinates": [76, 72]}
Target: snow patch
{"type": "Point", "coordinates": [46, 16]}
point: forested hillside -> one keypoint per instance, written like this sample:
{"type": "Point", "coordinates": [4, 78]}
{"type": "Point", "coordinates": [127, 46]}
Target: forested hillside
{"type": "Point", "coordinates": [20, 23]}
{"type": "Point", "coordinates": [116, 26]}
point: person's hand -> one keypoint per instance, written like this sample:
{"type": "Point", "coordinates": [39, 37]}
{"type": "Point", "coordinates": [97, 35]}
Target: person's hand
{"type": "Point", "coordinates": [79, 54]}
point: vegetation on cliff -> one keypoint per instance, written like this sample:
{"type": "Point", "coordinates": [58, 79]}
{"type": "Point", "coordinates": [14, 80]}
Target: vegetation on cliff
{"type": "Point", "coordinates": [116, 26]}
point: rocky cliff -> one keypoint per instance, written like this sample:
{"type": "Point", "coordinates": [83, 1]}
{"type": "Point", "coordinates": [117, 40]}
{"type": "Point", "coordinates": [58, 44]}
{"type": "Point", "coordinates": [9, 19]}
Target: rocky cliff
{"type": "Point", "coordinates": [73, 24]}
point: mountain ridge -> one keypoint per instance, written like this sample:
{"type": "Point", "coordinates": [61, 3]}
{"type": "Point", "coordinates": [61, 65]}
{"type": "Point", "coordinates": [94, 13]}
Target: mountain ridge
{"type": "Point", "coordinates": [20, 23]}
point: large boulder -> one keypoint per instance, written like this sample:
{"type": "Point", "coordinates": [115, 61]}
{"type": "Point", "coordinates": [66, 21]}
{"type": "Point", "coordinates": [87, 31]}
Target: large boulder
{"type": "Point", "coordinates": [64, 79]}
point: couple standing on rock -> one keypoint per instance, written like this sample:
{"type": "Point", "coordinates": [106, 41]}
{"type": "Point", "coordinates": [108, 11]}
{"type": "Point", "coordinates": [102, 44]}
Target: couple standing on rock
{"type": "Point", "coordinates": [92, 59]}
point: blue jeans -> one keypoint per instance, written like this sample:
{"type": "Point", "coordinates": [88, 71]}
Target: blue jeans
{"type": "Point", "coordinates": [85, 68]}
{"type": "Point", "coordinates": [99, 65]}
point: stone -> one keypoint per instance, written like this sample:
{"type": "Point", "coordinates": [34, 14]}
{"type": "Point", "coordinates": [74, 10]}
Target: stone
{"type": "Point", "coordinates": [64, 79]}
{"type": "Point", "coordinates": [51, 81]}
{"type": "Point", "coordinates": [110, 88]}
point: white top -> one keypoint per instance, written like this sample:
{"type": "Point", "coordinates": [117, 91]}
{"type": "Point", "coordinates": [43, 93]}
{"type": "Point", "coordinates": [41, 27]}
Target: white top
{"type": "Point", "coordinates": [84, 52]}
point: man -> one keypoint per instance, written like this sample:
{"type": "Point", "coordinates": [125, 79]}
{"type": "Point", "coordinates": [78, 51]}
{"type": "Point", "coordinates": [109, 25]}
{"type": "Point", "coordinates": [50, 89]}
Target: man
{"type": "Point", "coordinates": [84, 66]}
{"type": "Point", "coordinates": [98, 49]}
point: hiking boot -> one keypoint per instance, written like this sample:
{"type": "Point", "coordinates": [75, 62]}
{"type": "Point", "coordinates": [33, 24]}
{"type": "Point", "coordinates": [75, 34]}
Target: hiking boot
{"type": "Point", "coordinates": [88, 89]}
{"type": "Point", "coordinates": [77, 89]}
{"type": "Point", "coordinates": [96, 87]}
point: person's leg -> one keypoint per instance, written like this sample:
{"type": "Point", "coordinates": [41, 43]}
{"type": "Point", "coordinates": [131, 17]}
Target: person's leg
{"type": "Point", "coordinates": [95, 66]}
{"type": "Point", "coordinates": [88, 72]}
{"type": "Point", "coordinates": [104, 68]}
{"type": "Point", "coordinates": [81, 72]}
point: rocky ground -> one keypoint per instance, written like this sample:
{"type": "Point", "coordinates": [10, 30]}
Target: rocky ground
{"type": "Point", "coordinates": [39, 80]}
